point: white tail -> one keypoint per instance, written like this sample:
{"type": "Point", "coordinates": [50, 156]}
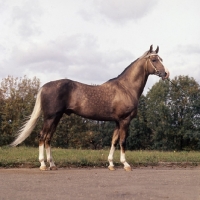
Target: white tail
{"type": "Point", "coordinates": [29, 125]}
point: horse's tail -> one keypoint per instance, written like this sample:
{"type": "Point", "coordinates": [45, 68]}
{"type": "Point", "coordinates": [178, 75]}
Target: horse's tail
{"type": "Point", "coordinates": [29, 125]}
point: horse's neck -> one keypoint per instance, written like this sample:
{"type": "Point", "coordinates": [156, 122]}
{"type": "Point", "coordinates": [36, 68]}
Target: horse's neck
{"type": "Point", "coordinates": [135, 78]}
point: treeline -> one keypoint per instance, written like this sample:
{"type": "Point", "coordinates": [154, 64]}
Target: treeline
{"type": "Point", "coordinates": [168, 118]}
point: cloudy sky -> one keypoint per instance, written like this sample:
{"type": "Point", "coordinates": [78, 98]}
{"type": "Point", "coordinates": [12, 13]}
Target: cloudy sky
{"type": "Point", "coordinates": [92, 41]}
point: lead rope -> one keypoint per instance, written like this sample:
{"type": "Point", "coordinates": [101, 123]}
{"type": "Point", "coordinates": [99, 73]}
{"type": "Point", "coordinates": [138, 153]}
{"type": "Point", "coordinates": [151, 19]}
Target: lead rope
{"type": "Point", "coordinates": [184, 91]}
{"type": "Point", "coordinates": [178, 87]}
{"type": "Point", "coordinates": [167, 78]}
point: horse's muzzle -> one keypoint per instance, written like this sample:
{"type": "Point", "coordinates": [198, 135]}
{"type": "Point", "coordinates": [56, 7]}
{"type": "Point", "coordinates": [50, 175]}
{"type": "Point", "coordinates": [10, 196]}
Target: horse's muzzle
{"type": "Point", "coordinates": [166, 75]}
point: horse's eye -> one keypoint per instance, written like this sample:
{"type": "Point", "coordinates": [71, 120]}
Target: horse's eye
{"type": "Point", "coordinates": [154, 60]}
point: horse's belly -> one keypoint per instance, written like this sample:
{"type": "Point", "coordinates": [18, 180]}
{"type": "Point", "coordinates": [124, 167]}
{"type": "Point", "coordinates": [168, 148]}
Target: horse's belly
{"type": "Point", "coordinates": [97, 113]}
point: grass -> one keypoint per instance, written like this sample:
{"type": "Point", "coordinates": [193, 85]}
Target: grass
{"type": "Point", "coordinates": [28, 157]}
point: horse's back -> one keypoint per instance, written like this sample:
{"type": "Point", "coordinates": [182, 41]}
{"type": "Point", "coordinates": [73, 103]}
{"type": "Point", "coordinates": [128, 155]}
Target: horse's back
{"type": "Point", "coordinates": [69, 96]}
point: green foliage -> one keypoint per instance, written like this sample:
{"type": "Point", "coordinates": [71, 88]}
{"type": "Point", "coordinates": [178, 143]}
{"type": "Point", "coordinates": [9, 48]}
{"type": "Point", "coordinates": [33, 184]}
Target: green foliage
{"type": "Point", "coordinates": [17, 98]}
{"type": "Point", "coordinates": [76, 132]}
{"type": "Point", "coordinates": [139, 133]}
{"type": "Point", "coordinates": [173, 115]}
{"type": "Point", "coordinates": [168, 118]}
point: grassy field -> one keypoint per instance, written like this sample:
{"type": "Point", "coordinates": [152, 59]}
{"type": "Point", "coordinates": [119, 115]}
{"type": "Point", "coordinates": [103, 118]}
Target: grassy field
{"type": "Point", "coordinates": [28, 157]}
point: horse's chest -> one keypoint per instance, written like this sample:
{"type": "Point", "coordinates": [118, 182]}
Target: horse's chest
{"type": "Point", "coordinates": [124, 105]}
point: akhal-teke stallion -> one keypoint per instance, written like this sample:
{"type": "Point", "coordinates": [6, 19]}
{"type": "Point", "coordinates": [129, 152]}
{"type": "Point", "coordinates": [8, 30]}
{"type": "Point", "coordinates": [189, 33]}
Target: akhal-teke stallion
{"type": "Point", "coordinates": [115, 100]}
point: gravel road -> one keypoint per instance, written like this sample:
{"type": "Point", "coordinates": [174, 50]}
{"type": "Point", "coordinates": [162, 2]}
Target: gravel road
{"type": "Point", "coordinates": [100, 184]}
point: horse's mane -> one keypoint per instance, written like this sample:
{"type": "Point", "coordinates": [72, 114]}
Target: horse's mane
{"type": "Point", "coordinates": [145, 54]}
{"type": "Point", "coordinates": [123, 71]}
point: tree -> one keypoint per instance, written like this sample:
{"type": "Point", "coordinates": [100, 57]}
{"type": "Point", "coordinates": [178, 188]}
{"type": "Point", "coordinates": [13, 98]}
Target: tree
{"type": "Point", "coordinates": [184, 105]}
{"type": "Point", "coordinates": [172, 113]}
{"type": "Point", "coordinates": [168, 118]}
{"type": "Point", "coordinates": [17, 99]}
{"type": "Point", "coordinates": [139, 134]}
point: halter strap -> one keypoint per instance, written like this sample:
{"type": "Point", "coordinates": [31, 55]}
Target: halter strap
{"type": "Point", "coordinates": [153, 66]}
{"type": "Point", "coordinates": [153, 54]}
{"type": "Point", "coordinates": [148, 59]}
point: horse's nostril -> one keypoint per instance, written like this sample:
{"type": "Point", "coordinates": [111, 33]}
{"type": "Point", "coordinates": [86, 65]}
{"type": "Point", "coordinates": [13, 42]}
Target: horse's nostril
{"type": "Point", "coordinates": [166, 75]}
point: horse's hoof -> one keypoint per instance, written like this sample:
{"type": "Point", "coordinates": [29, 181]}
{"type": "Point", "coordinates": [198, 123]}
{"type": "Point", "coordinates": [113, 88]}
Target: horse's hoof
{"type": "Point", "coordinates": [53, 168]}
{"type": "Point", "coordinates": [43, 168]}
{"type": "Point", "coordinates": [128, 169]}
{"type": "Point", "coordinates": [111, 168]}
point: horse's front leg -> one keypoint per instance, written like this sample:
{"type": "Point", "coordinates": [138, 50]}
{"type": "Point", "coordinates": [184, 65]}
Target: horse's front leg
{"type": "Point", "coordinates": [112, 149]}
{"type": "Point", "coordinates": [123, 135]}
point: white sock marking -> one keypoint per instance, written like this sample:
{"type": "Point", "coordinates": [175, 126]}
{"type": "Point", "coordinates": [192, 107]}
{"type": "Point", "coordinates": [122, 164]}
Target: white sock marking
{"type": "Point", "coordinates": [123, 159]}
{"type": "Point", "coordinates": [110, 156]}
{"type": "Point", "coordinates": [49, 157]}
{"type": "Point", "coordinates": [41, 155]}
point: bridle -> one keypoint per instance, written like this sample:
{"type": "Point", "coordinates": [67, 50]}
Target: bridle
{"type": "Point", "coordinates": [148, 59]}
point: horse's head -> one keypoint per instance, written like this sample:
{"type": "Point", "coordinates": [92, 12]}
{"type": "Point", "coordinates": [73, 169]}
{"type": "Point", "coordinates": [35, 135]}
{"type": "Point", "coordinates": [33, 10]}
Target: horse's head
{"type": "Point", "coordinates": [154, 63]}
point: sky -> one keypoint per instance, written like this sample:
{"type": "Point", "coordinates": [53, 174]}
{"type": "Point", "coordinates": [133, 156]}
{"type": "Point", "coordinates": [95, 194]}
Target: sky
{"type": "Point", "coordinates": [92, 41]}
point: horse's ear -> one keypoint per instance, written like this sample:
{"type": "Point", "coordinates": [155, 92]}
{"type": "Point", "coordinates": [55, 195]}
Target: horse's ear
{"type": "Point", "coordinates": [157, 49]}
{"type": "Point", "coordinates": [151, 49]}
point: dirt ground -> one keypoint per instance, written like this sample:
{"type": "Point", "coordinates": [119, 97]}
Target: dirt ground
{"type": "Point", "coordinates": [139, 184]}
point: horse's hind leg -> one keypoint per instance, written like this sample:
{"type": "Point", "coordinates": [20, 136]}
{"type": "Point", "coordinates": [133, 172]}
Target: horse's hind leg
{"type": "Point", "coordinates": [112, 149]}
{"type": "Point", "coordinates": [50, 160]}
{"type": "Point", "coordinates": [46, 134]}
{"type": "Point", "coordinates": [41, 154]}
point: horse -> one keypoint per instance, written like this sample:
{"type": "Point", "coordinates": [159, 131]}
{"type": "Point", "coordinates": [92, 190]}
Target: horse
{"type": "Point", "coordinates": [115, 100]}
